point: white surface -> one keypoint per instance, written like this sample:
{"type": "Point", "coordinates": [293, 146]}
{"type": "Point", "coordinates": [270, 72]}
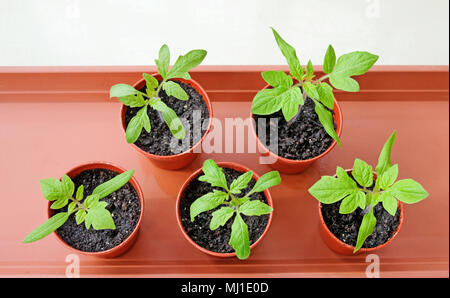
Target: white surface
{"type": "Point", "coordinates": [113, 32]}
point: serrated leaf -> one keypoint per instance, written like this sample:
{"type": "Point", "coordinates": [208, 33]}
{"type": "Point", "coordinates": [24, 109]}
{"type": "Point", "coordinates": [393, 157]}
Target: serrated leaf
{"type": "Point", "coordinates": [58, 204]}
{"type": "Point", "coordinates": [132, 101]}
{"type": "Point", "coordinates": [326, 118]}
{"type": "Point", "coordinates": [47, 227]}
{"type": "Point", "coordinates": [80, 216]}
{"type": "Point", "coordinates": [100, 218]}
{"type": "Point", "coordinates": [408, 191]}
{"type": "Point", "coordinates": [113, 184]}
{"type": "Point", "coordinates": [173, 89]}
{"type": "Point", "coordinates": [363, 173]}
{"type": "Point", "coordinates": [150, 81]}
{"type": "Point", "coordinates": [389, 202]}
{"type": "Point", "coordinates": [239, 239]}
{"type": "Point", "coordinates": [220, 217]}
{"type": "Point", "coordinates": [267, 180]}
{"type": "Point", "coordinates": [384, 160]}
{"type": "Point", "coordinates": [290, 55]}
{"type": "Point", "coordinates": [329, 61]}
{"type": "Point", "coordinates": [255, 208]}
{"type": "Point", "coordinates": [163, 61]}
{"type": "Point", "coordinates": [241, 182]}
{"type": "Point", "coordinates": [207, 202]}
{"type": "Point", "coordinates": [329, 190]}
{"type": "Point", "coordinates": [277, 78]}
{"type": "Point", "coordinates": [67, 185]}
{"type": "Point", "coordinates": [134, 128]}
{"type": "Point", "coordinates": [52, 189]}
{"type": "Point", "coordinates": [389, 177]}
{"type": "Point", "coordinates": [309, 71]}
{"type": "Point", "coordinates": [171, 119]}
{"type": "Point", "coordinates": [326, 95]}
{"type": "Point", "coordinates": [213, 174]}
{"type": "Point", "coordinates": [186, 63]}
{"type": "Point", "coordinates": [366, 229]}
{"type": "Point", "coordinates": [80, 193]}
{"type": "Point", "coordinates": [121, 90]}
{"type": "Point", "coordinates": [268, 101]}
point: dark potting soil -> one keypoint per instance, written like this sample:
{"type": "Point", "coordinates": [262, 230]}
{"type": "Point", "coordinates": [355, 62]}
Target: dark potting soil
{"type": "Point", "coordinates": [158, 140]}
{"type": "Point", "coordinates": [346, 226]}
{"type": "Point", "coordinates": [303, 139]}
{"type": "Point", "coordinates": [217, 240]}
{"type": "Point", "coordinates": [123, 204]}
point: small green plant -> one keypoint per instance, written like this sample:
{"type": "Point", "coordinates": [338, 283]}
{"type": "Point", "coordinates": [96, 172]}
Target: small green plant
{"type": "Point", "coordinates": [90, 210]}
{"type": "Point", "coordinates": [387, 190]}
{"type": "Point", "coordinates": [290, 97]}
{"type": "Point", "coordinates": [133, 98]}
{"type": "Point", "coordinates": [233, 204]}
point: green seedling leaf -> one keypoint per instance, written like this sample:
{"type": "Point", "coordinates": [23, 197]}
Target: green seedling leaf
{"type": "Point", "coordinates": [150, 81]}
{"type": "Point", "coordinates": [220, 217]}
{"type": "Point", "coordinates": [326, 118]}
{"type": "Point", "coordinates": [47, 227]}
{"type": "Point", "coordinates": [112, 185]}
{"type": "Point", "coordinates": [71, 207]}
{"type": "Point", "coordinates": [207, 202]}
{"type": "Point", "coordinates": [171, 119]}
{"type": "Point", "coordinates": [267, 180]}
{"type": "Point", "coordinates": [290, 55]}
{"type": "Point", "coordinates": [354, 64]}
{"type": "Point", "coordinates": [268, 101]}
{"type": "Point", "coordinates": [52, 189]}
{"type": "Point", "coordinates": [363, 173]}
{"type": "Point", "coordinates": [329, 61]}
{"type": "Point", "coordinates": [389, 177]}
{"type": "Point", "coordinates": [255, 208]}
{"type": "Point", "coordinates": [344, 83]}
{"type": "Point", "coordinates": [384, 160]}
{"type": "Point", "coordinates": [241, 182]}
{"type": "Point", "coordinates": [173, 89]}
{"type": "Point", "coordinates": [239, 239]}
{"type": "Point", "coordinates": [389, 202]}
{"type": "Point", "coordinates": [213, 174]}
{"type": "Point", "coordinates": [58, 204]}
{"type": "Point", "coordinates": [163, 61]}
{"type": "Point", "coordinates": [67, 185]}
{"type": "Point", "coordinates": [186, 63]}
{"type": "Point", "coordinates": [80, 216]}
{"type": "Point", "coordinates": [351, 202]}
{"type": "Point", "coordinates": [139, 121]}
{"type": "Point", "coordinates": [91, 200]}
{"type": "Point", "coordinates": [100, 218]}
{"type": "Point", "coordinates": [408, 191]}
{"type": "Point", "coordinates": [80, 193]}
{"type": "Point", "coordinates": [366, 229]}
{"type": "Point", "coordinates": [326, 96]}
{"type": "Point", "coordinates": [309, 71]}
{"type": "Point", "coordinates": [311, 90]}
{"type": "Point", "coordinates": [277, 79]}
{"type": "Point", "coordinates": [133, 101]}
{"type": "Point", "coordinates": [291, 100]}
{"type": "Point", "coordinates": [121, 90]}
{"type": "Point", "coordinates": [329, 190]}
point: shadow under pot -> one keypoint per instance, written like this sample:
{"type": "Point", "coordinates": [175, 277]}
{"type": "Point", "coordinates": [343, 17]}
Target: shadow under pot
{"type": "Point", "coordinates": [126, 206]}
{"type": "Point", "coordinates": [198, 233]}
{"type": "Point", "coordinates": [300, 143]}
{"type": "Point", "coordinates": [159, 145]}
{"type": "Point", "coordinates": [340, 231]}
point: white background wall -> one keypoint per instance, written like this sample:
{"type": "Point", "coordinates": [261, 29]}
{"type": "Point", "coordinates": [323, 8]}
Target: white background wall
{"type": "Point", "coordinates": [114, 32]}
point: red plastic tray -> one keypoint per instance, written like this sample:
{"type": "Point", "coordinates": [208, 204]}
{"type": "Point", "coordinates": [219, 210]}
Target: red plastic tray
{"type": "Point", "coordinates": [54, 118]}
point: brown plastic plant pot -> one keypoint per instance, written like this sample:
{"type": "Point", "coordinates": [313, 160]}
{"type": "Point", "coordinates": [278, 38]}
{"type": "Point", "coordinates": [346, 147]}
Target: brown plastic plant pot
{"type": "Point", "coordinates": [181, 160]}
{"type": "Point", "coordinates": [343, 248]}
{"type": "Point", "coordinates": [229, 165]}
{"type": "Point", "coordinates": [290, 166]}
{"type": "Point", "coordinates": [127, 243]}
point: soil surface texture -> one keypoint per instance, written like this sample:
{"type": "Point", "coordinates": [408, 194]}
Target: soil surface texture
{"type": "Point", "coordinates": [123, 204]}
{"type": "Point", "coordinates": [158, 140]}
{"type": "Point", "coordinates": [217, 240]}
{"type": "Point", "coordinates": [304, 139]}
{"type": "Point", "coordinates": [346, 226]}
